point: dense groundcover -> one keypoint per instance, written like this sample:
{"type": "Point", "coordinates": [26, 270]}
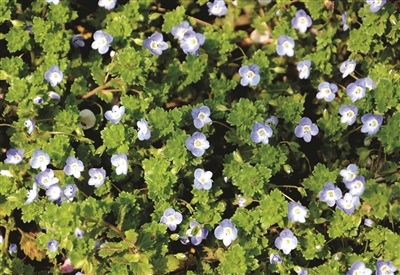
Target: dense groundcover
{"type": "Point", "coordinates": [199, 137]}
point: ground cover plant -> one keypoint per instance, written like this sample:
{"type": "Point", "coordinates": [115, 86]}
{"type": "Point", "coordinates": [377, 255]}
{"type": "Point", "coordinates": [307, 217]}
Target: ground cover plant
{"type": "Point", "coordinates": [199, 137]}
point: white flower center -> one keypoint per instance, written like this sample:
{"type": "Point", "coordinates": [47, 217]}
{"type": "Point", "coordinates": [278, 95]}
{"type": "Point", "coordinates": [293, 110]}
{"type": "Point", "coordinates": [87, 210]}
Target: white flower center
{"type": "Point", "coordinates": [227, 231]}
{"type": "Point", "coordinates": [153, 45]}
{"type": "Point", "coordinates": [286, 44]}
{"type": "Point", "coordinates": [306, 129]}
{"type": "Point", "coordinates": [55, 75]}
{"type": "Point", "coordinates": [350, 113]}
{"type": "Point", "coordinates": [197, 143]}
{"type": "Point", "coordinates": [102, 41]}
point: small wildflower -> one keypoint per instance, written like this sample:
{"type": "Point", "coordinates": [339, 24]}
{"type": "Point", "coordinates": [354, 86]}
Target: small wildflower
{"type": "Point", "coordinates": [375, 5]}
{"type": "Point", "coordinates": [385, 268]}
{"type": "Point", "coordinates": [261, 133]}
{"type": "Point", "coordinates": [67, 266]}
{"type": "Point", "coordinates": [171, 218]}
{"type": "Point", "coordinates": [344, 20]}
{"type": "Point", "coordinates": [32, 194]}
{"type": "Point", "coordinates": [201, 116]}
{"type": "Point", "coordinates": [115, 114]}
{"type": "Point", "coordinates": [303, 272]}
{"type": "Point", "coordinates": [371, 123]}
{"type": "Point", "coordinates": [14, 156]}
{"type": "Point", "coordinates": [347, 67]}
{"type": "Point", "coordinates": [327, 91]}
{"type": "Point", "coordinates": [202, 179]}
{"type": "Point", "coordinates": [348, 113]}
{"type": "Point", "coordinates": [13, 248]}
{"type": "Point", "coordinates": [39, 160]}
{"type": "Point", "coordinates": [180, 30]}
{"type": "Point", "coordinates": [272, 120]}
{"type": "Point", "coordinates": [304, 69]}
{"type": "Point", "coordinates": [350, 173]}
{"type": "Point", "coordinates": [30, 124]}
{"type": "Point", "coordinates": [250, 75]}
{"type": "Point", "coordinates": [184, 240]}
{"type": "Point", "coordinates": [197, 144]}
{"type": "Point", "coordinates": [97, 177]}
{"type": "Point", "coordinates": [28, 27]}
{"type": "Point", "coordinates": [260, 37]}
{"type": "Point", "coordinates": [297, 212]}
{"type": "Point", "coordinates": [196, 232]}
{"type": "Point", "coordinates": [348, 204]}
{"type": "Point", "coordinates": [78, 41]}
{"type": "Point", "coordinates": [285, 45]}
{"type": "Point", "coordinates": [226, 232]}
{"type": "Point", "coordinates": [356, 90]}
{"type": "Point", "coordinates": [143, 130]}
{"type": "Point", "coordinates": [218, 8]}
{"type": "Point", "coordinates": [301, 21]}
{"type": "Point", "coordinates": [357, 186]}
{"type": "Point", "coordinates": [369, 83]}
{"type": "Point", "coordinates": [107, 4]}
{"type": "Point", "coordinates": [70, 191]}
{"type": "Point", "coordinates": [191, 42]}
{"type": "Point", "coordinates": [46, 178]}
{"type": "Point", "coordinates": [306, 129]}
{"type": "Point", "coordinates": [121, 163]}
{"type": "Point", "coordinates": [73, 167]}
{"type": "Point", "coordinates": [54, 95]}
{"type": "Point", "coordinates": [155, 43]}
{"type": "Point", "coordinates": [54, 75]}
{"type": "Point", "coordinates": [101, 41]}
{"type": "Point", "coordinates": [52, 245]}
{"type": "Point", "coordinates": [55, 2]}
{"type": "Point", "coordinates": [241, 201]}
{"type": "Point", "coordinates": [78, 233]}
{"type": "Point", "coordinates": [368, 222]}
{"type": "Point", "coordinates": [275, 259]}
{"type": "Point", "coordinates": [54, 192]}
{"type": "Point", "coordinates": [286, 241]}
{"type": "Point", "coordinates": [358, 267]}
{"type": "Point", "coordinates": [330, 194]}
{"type": "Point", "coordinates": [87, 119]}
{"type": "Point", "coordinates": [38, 100]}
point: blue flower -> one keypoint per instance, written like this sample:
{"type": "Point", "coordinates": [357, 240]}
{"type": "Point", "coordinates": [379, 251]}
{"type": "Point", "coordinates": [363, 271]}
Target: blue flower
{"type": "Point", "coordinates": [97, 177]}
{"type": "Point", "coordinates": [371, 123]}
{"type": "Point", "coordinates": [107, 4]}
{"type": "Point", "coordinates": [14, 156]}
{"type": "Point", "coordinates": [55, 2]}
{"type": "Point", "coordinates": [303, 272]}
{"type": "Point", "coordinates": [46, 178]}
{"type": "Point", "coordinates": [171, 218]}
{"type": "Point", "coordinates": [78, 41]}
{"type": "Point", "coordinates": [143, 129]}
{"type": "Point", "coordinates": [52, 245]}
{"type": "Point", "coordinates": [241, 201]}
{"type": "Point", "coordinates": [304, 69]}
{"type": "Point", "coordinates": [357, 186]}
{"type": "Point", "coordinates": [32, 194]}
{"type": "Point", "coordinates": [301, 21]}
{"type": "Point", "coordinates": [327, 91]}
{"type": "Point", "coordinates": [356, 90]}
{"type": "Point", "coordinates": [285, 45]}
{"type": "Point", "coordinates": [155, 43]}
{"type": "Point", "coordinates": [38, 100]}
{"type": "Point", "coordinates": [226, 232]}
{"type": "Point", "coordinates": [306, 129]}
{"type": "Point", "coordinates": [344, 20]}
{"type": "Point", "coordinates": [115, 114]}
{"type": "Point", "coordinates": [202, 179]}
{"type": "Point", "coordinates": [54, 192]}
{"type": "Point", "coordinates": [286, 241]}
{"type": "Point", "coordinates": [30, 124]}
{"type": "Point", "coordinates": [369, 83]}
{"type": "Point", "coordinates": [358, 267]}
{"type": "Point", "coordinates": [101, 41]}
{"type": "Point", "coordinates": [348, 113]}
{"type": "Point", "coordinates": [350, 173]}
{"type": "Point", "coordinates": [385, 268]}
{"type": "Point", "coordinates": [368, 222]}
{"type": "Point", "coordinates": [218, 8]}
{"type": "Point", "coordinates": [196, 232]}
{"type": "Point", "coordinates": [120, 161]}
{"type": "Point", "coordinates": [201, 116]}
{"type": "Point", "coordinates": [347, 67]}
{"type": "Point", "coordinates": [250, 75]}
{"type": "Point", "coordinates": [297, 212]}
{"type": "Point", "coordinates": [261, 133]}
{"type": "Point", "coordinates": [54, 95]}
{"type": "Point", "coordinates": [375, 5]}
{"type": "Point", "coordinates": [39, 160]}
{"type": "Point", "coordinates": [330, 194]}
{"type": "Point", "coordinates": [78, 233]}
{"type": "Point", "coordinates": [348, 203]}
{"type": "Point", "coordinates": [73, 167]}
{"type": "Point", "coordinates": [28, 27]}
{"type": "Point", "coordinates": [54, 75]}
{"type": "Point", "coordinates": [180, 30]}
{"type": "Point", "coordinates": [272, 120]}
{"type": "Point", "coordinates": [191, 42]}
{"type": "Point", "coordinates": [197, 144]}
{"type": "Point", "coordinates": [13, 248]}
{"type": "Point", "coordinates": [275, 259]}
{"type": "Point", "coordinates": [70, 191]}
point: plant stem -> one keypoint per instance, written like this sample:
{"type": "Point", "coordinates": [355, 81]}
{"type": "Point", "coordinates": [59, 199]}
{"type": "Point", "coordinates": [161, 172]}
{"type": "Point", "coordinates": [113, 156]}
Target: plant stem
{"type": "Point", "coordinates": [94, 91]}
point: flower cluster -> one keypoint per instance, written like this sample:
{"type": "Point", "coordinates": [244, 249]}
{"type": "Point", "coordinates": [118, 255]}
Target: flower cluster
{"type": "Point", "coordinates": [155, 43]}
{"type": "Point", "coordinates": [190, 41]}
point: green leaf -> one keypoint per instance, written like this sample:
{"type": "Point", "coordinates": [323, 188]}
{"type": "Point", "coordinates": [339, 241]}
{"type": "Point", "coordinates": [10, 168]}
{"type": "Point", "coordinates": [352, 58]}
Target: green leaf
{"type": "Point", "coordinates": [319, 177]}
